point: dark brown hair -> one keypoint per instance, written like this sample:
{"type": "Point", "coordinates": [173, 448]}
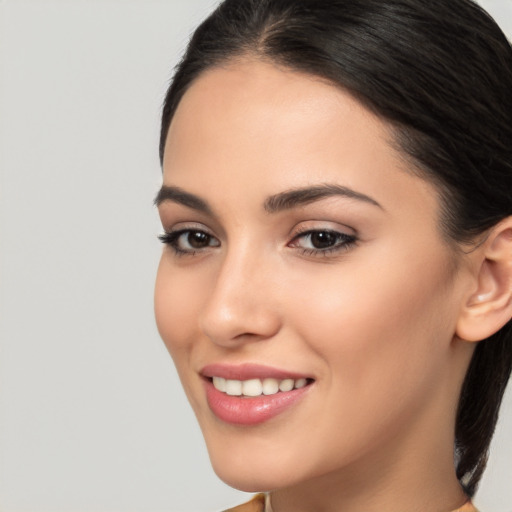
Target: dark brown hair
{"type": "Point", "coordinates": [440, 71]}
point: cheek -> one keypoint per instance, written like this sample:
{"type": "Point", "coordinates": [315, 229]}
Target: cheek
{"type": "Point", "coordinates": [177, 300]}
{"type": "Point", "coordinates": [388, 323]}
{"type": "Point", "coordinates": [382, 342]}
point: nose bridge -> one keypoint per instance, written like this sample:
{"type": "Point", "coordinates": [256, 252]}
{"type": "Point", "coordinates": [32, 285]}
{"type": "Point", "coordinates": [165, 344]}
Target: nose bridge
{"type": "Point", "coordinates": [240, 305]}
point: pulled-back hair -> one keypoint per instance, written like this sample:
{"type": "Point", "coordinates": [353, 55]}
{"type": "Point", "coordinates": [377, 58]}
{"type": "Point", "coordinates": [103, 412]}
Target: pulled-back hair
{"type": "Point", "coordinates": [440, 72]}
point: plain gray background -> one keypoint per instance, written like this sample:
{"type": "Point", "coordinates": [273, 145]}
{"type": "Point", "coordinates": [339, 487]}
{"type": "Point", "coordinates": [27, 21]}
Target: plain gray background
{"type": "Point", "coordinates": [92, 417]}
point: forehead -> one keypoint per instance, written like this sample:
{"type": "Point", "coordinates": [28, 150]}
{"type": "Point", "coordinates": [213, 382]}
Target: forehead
{"type": "Point", "coordinates": [250, 92]}
{"type": "Point", "coordinates": [257, 128]}
{"type": "Point", "coordinates": [249, 103]}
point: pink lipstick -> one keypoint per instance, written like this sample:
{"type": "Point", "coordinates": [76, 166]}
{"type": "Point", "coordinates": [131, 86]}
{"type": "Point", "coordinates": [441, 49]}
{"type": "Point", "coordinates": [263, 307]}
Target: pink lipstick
{"type": "Point", "coordinates": [250, 394]}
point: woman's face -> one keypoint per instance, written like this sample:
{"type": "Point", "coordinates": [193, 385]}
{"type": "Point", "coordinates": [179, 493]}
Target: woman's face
{"type": "Point", "coordinates": [301, 247]}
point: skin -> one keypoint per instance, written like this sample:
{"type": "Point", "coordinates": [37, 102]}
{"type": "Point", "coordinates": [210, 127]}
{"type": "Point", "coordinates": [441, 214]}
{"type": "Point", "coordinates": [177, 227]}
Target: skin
{"type": "Point", "coordinates": [373, 322]}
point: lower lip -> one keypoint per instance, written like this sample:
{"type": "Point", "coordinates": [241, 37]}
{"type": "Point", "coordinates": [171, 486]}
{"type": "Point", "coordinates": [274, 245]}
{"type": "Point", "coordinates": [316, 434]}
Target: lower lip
{"type": "Point", "coordinates": [239, 410]}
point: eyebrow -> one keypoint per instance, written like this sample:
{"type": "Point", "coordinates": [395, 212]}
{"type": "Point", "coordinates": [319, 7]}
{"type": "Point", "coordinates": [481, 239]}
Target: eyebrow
{"type": "Point", "coordinates": [178, 195]}
{"type": "Point", "coordinates": [302, 196]}
{"type": "Point", "coordinates": [276, 203]}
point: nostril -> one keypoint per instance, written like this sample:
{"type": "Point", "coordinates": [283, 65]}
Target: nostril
{"type": "Point", "coordinates": [239, 323]}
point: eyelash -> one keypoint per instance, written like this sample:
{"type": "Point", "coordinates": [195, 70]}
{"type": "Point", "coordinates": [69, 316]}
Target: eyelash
{"type": "Point", "coordinates": [172, 240]}
{"type": "Point", "coordinates": [343, 241]}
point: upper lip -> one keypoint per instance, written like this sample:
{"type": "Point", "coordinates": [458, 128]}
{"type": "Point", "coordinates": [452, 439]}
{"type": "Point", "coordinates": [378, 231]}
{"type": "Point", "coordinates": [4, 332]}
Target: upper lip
{"type": "Point", "coordinates": [248, 371]}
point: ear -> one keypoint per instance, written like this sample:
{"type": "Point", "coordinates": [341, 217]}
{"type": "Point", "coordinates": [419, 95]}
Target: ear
{"type": "Point", "coordinates": [489, 306]}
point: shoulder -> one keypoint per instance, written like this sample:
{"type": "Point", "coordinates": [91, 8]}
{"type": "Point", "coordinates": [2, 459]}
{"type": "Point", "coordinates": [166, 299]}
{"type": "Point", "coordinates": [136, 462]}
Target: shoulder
{"type": "Point", "coordinates": [257, 504]}
{"type": "Point", "coordinates": [467, 507]}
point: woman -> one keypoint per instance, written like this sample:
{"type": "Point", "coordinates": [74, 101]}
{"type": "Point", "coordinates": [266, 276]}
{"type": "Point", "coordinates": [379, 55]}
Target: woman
{"type": "Point", "coordinates": [336, 287]}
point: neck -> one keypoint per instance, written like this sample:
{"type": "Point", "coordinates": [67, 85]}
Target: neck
{"type": "Point", "coordinates": [405, 476]}
{"type": "Point", "coordinates": [391, 491]}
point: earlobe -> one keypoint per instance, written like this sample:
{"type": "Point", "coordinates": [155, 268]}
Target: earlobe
{"type": "Point", "coordinates": [489, 307]}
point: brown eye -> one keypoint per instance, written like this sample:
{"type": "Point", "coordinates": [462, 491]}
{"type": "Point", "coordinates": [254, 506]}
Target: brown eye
{"type": "Point", "coordinates": [324, 239]}
{"type": "Point", "coordinates": [189, 241]}
{"type": "Point", "coordinates": [198, 239]}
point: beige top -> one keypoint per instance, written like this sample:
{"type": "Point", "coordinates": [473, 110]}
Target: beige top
{"type": "Point", "coordinates": [257, 504]}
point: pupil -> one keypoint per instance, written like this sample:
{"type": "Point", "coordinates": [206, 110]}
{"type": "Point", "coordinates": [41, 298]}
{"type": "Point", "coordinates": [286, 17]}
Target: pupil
{"type": "Point", "coordinates": [198, 240]}
{"type": "Point", "coordinates": [323, 239]}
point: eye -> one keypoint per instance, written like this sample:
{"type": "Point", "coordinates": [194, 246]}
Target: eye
{"type": "Point", "coordinates": [322, 241]}
{"type": "Point", "coordinates": [189, 241]}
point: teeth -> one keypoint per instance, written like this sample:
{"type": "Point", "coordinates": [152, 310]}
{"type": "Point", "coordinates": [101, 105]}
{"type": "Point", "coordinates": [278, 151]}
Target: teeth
{"type": "Point", "coordinates": [234, 387]}
{"type": "Point", "coordinates": [286, 385]}
{"type": "Point", "coordinates": [300, 383]}
{"type": "Point", "coordinates": [270, 386]}
{"type": "Point", "coordinates": [219, 383]}
{"type": "Point", "coordinates": [252, 387]}
{"type": "Point", "coordinates": [256, 387]}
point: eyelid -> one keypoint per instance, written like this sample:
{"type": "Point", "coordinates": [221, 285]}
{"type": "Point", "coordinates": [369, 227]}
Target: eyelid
{"type": "Point", "coordinates": [322, 225]}
{"type": "Point", "coordinates": [344, 242]}
{"type": "Point", "coordinates": [171, 227]}
{"type": "Point", "coordinates": [173, 215]}
{"type": "Point", "coordinates": [171, 237]}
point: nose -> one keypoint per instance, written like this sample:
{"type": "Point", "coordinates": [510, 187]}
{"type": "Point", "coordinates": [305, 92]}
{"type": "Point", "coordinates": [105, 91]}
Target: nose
{"type": "Point", "coordinates": [242, 305]}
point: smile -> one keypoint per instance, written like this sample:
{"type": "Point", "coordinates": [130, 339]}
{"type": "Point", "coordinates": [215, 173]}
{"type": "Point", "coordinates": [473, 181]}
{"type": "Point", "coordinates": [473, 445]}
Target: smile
{"type": "Point", "coordinates": [250, 394]}
{"type": "Point", "coordinates": [257, 387]}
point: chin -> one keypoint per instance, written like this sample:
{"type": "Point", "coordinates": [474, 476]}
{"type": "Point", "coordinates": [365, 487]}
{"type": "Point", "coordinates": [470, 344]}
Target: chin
{"type": "Point", "coordinates": [248, 472]}
{"type": "Point", "coordinates": [249, 480]}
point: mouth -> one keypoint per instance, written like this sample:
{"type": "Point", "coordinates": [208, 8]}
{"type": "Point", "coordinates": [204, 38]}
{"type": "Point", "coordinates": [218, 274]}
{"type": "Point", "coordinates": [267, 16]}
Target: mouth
{"type": "Point", "coordinates": [257, 387]}
{"type": "Point", "coordinates": [252, 394]}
